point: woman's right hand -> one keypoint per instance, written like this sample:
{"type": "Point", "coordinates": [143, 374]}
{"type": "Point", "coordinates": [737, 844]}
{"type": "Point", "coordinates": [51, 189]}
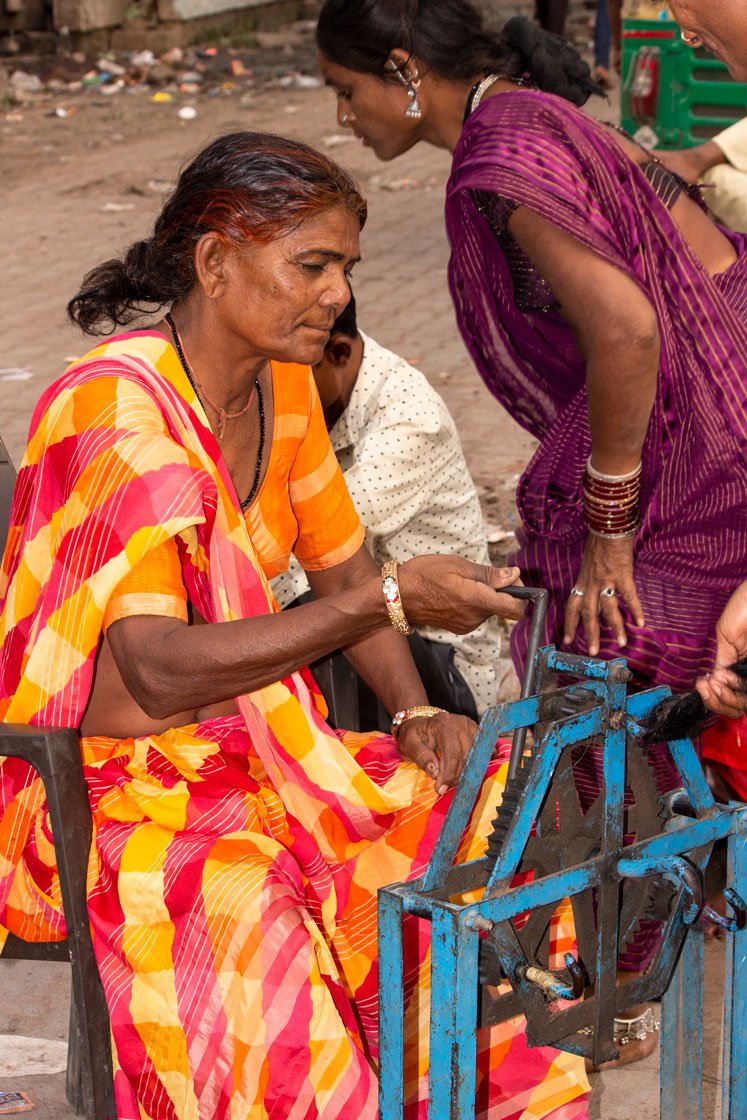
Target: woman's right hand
{"type": "Point", "coordinates": [453, 594]}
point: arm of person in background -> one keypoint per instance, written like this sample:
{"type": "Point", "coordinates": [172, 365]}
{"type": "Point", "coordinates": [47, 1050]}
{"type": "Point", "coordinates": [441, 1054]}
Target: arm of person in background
{"type": "Point", "coordinates": [617, 332]}
{"type": "Point", "coordinates": [722, 691]}
{"type": "Point", "coordinates": [727, 147]}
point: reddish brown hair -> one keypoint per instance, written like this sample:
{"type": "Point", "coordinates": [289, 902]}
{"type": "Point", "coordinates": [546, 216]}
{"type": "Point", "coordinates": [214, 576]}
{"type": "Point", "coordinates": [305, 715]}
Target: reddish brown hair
{"type": "Point", "coordinates": [246, 186]}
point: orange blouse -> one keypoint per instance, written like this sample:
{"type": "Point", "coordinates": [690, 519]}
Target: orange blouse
{"type": "Point", "coordinates": [303, 506]}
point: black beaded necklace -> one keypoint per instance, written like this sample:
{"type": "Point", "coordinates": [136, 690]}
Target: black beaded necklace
{"type": "Point", "coordinates": [260, 401]}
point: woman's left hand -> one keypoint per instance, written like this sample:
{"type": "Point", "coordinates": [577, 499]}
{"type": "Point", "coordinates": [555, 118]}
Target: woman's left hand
{"type": "Point", "coordinates": [439, 745]}
{"type": "Point", "coordinates": [605, 578]}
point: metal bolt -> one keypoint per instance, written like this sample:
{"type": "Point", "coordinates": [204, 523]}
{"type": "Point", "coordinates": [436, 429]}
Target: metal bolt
{"type": "Point", "coordinates": [475, 920]}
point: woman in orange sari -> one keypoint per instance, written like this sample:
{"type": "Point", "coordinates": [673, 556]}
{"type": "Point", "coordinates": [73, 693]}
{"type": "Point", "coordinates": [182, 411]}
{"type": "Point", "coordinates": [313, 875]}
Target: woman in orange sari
{"type": "Point", "coordinates": [239, 841]}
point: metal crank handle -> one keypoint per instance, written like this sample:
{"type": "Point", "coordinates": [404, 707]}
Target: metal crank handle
{"type": "Point", "coordinates": [731, 925]}
{"type": "Point", "coordinates": [538, 596]}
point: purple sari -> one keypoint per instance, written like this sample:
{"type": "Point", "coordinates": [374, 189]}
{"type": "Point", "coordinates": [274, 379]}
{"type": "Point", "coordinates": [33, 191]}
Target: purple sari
{"type": "Point", "coordinates": [691, 551]}
{"type": "Point", "coordinates": [539, 151]}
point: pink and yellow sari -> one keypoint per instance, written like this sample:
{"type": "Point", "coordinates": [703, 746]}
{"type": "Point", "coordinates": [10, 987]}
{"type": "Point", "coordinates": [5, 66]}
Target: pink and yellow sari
{"type": "Point", "coordinates": [235, 864]}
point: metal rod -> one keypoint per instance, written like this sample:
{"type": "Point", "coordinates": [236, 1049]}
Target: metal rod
{"type": "Point", "coordinates": [538, 596]}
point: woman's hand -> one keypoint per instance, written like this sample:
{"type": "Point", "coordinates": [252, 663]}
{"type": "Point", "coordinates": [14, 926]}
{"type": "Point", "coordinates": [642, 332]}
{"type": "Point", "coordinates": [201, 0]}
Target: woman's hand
{"type": "Point", "coordinates": [438, 745]}
{"type": "Point", "coordinates": [723, 691]}
{"type": "Point", "coordinates": [453, 594]}
{"type": "Point", "coordinates": [605, 578]}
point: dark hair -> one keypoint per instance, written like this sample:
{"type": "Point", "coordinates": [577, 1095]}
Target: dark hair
{"type": "Point", "coordinates": [450, 38]}
{"type": "Point", "coordinates": [245, 186]}
{"type": "Point", "coordinates": [347, 321]}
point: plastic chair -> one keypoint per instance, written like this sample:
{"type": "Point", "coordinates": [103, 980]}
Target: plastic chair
{"type": "Point", "coordinates": [55, 754]}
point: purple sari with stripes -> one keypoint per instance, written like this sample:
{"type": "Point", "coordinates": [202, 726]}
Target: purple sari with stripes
{"type": "Point", "coordinates": [537, 150]}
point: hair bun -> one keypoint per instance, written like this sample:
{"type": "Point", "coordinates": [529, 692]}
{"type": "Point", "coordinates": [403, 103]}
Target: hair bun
{"type": "Point", "coordinates": [521, 34]}
{"type": "Point", "coordinates": [551, 62]}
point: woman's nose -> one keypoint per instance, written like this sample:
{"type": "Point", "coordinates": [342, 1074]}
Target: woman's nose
{"type": "Point", "coordinates": [338, 294]}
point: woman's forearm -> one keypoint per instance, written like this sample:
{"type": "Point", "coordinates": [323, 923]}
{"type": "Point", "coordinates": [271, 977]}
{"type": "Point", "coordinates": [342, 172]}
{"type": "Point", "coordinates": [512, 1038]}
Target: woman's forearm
{"type": "Point", "coordinates": [170, 667]}
{"type": "Point", "coordinates": [621, 380]}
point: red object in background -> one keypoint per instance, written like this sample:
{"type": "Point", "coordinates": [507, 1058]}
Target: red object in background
{"type": "Point", "coordinates": [725, 746]}
{"type": "Point", "coordinates": [642, 85]}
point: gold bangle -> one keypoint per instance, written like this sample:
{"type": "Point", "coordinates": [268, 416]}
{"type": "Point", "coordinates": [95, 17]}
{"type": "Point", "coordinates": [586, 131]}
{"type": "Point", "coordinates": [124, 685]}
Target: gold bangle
{"type": "Point", "coordinates": [390, 587]}
{"type": "Point", "coordinates": [419, 711]}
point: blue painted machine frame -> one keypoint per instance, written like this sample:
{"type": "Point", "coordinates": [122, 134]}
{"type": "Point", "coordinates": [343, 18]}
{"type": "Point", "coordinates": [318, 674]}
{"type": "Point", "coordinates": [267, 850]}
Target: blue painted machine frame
{"type": "Point", "coordinates": [604, 711]}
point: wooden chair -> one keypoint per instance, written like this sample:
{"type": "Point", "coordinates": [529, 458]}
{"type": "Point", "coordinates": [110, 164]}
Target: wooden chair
{"type": "Point", "coordinates": [55, 755]}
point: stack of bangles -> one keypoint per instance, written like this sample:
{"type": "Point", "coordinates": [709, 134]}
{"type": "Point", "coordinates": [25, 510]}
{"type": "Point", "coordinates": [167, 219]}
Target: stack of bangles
{"type": "Point", "coordinates": [611, 502]}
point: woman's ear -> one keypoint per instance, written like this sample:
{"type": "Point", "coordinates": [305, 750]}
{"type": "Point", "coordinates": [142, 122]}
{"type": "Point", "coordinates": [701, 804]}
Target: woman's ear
{"type": "Point", "coordinates": [401, 62]}
{"type": "Point", "coordinates": [211, 254]}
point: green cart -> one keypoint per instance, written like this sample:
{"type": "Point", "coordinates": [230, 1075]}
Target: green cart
{"type": "Point", "coordinates": [682, 96]}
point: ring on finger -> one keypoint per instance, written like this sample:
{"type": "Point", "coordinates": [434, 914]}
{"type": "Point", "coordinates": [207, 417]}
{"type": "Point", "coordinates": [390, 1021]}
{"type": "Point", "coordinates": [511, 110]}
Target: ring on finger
{"type": "Point", "coordinates": [607, 593]}
{"type": "Point", "coordinates": [576, 591]}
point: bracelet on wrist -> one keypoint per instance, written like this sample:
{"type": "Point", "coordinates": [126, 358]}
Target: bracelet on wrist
{"type": "Point", "coordinates": [615, 479]}
{"type": "Point", "coordinates": [419, 711]}
{"type": "Point", "coordinates": [390, 587]}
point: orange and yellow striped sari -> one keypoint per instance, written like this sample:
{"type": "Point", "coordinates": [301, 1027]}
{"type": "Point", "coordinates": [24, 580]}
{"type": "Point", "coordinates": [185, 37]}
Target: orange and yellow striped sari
{"type": "Point", "coordinates": [233, 876]}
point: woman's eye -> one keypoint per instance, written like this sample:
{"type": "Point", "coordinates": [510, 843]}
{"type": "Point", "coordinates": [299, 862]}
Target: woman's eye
{"type": "Point", "coordinates": [312, 267]}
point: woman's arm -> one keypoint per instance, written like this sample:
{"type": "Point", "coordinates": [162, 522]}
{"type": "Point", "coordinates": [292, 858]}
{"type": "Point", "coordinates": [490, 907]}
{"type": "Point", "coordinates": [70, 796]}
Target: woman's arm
{"type": "Point", "coordinates": [170, 667]}
{"type": "Point", "coordinates": [382, 657]}
{"type": "Point", "coordinates": [617, 332]}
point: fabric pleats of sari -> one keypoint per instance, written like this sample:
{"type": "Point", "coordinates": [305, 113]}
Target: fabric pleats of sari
{"type": "Point", "coordinates": [235, 865]}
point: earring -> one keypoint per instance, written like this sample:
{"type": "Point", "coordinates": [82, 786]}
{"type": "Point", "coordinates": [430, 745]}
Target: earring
{"type": "Point", "coordinates": [691, 40]}
{"type": "Point", "coordinates": [412, 85]}
{"type": "Point", "coordinates": [345, 119]}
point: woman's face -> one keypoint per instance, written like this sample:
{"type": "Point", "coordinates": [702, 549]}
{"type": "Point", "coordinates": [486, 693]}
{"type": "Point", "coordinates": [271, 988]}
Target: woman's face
{"type": "Point", "coordinates": [721, 26]}
{"type": "Point", "coordinates": [374, 109]}
{"type": "Point", "coordinates": [280, 299]}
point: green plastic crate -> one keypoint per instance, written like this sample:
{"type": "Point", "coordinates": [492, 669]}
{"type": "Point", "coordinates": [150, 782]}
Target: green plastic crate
{"type": "Point", "coordinates": [694, 98]}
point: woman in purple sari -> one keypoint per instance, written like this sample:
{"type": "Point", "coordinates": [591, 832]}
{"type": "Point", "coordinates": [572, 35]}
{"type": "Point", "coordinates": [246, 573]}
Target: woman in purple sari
{"type": "Point", "coordinates": [603, 309]}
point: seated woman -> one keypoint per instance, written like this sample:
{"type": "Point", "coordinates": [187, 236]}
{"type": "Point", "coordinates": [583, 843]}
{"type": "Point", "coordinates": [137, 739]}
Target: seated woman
{"type": "Point", "coordinates": [239, 842]}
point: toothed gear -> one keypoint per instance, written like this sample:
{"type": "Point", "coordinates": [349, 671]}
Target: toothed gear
{"type": "Point", "coordinates": [564, 837]}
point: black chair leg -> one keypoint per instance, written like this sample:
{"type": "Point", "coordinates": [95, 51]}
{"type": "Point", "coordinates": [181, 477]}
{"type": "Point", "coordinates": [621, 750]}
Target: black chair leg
{"type": "Point", "coordinates": [90, 1041]}
{"type": "Point", "coordinates": [55, 755]}
{"type": "Point", "coordinates": [74, 1076]}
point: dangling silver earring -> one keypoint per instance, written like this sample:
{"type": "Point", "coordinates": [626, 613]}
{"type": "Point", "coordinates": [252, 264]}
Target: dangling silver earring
{"type": "Point", "coordinates": [412, 85]}
{"type": "Point", "coordinates": [414, 109]}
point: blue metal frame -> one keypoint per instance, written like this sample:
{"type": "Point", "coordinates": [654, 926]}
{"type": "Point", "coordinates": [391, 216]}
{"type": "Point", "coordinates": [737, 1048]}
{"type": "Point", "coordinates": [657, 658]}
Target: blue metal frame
{"type": "Point", "coordinates": [585, 1026]}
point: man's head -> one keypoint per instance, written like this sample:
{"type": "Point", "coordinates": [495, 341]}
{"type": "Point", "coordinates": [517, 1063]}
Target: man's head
{"type": "Point", "coordinates": [336, 374]}
{"type": "Point", "coordinates": [718, 25]}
